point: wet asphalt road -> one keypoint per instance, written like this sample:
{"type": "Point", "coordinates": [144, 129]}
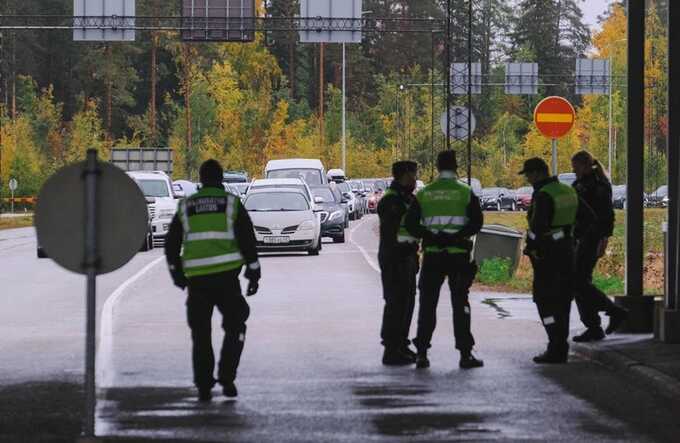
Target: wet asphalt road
{"type": "Point", "coordinates": [311, 369]}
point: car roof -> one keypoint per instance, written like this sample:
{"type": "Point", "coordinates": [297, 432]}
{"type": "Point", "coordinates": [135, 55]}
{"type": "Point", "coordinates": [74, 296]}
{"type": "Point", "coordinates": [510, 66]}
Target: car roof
{"type": "Point", "coordinates": [277, 181]}
{"type": "Point", "coordinates": [148, 174]}
{"type": "Point", "coordinates": [294, 163]}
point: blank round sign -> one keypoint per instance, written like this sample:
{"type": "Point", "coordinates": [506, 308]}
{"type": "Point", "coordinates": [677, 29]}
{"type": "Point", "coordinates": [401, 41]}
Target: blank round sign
{"type": "Point", "coordinates": [122, 218]}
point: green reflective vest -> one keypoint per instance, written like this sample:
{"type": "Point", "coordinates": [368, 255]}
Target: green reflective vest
{"type": "Point", "coordinates": [443, 206]}
{"type": "Point", "coordinates": [210, 246]}
{"type": "Point", "coordinates": [565, 203]}
{"type": "Point", "coordinates": [403, 235]}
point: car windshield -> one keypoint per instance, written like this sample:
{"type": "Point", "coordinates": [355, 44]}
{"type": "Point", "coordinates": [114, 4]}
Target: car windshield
{"type": "Point", "coordinates": [344, 187]}
{"type": "Point", "coordinates": [491, 191]}
{"type": "Point", "coordinates": [154, 188]}
{"type": "Point", "coordinates": [324, 193]}
{"type": "Point", "coordinates": [276, 201]}
{"type": "Point", "coordinates": [354, 185]}
{"type": "Point", "coordinates": [310, 176]}
{"type": "Point", "coordinates": [300, 187]}
{"type": "Point", "coordinates": [525, 190]}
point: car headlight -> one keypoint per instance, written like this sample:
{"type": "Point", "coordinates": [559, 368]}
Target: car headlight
{"type": "Point", "coordinates": [306, 226]}
{"type": "Point", "coordinates": [335, 215]}
{"type": "Point", "coordinates": [165, 213]}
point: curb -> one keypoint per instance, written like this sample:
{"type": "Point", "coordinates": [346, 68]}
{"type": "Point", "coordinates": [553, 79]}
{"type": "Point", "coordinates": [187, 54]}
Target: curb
{"type": "Point", "coordinates": [652, 378]}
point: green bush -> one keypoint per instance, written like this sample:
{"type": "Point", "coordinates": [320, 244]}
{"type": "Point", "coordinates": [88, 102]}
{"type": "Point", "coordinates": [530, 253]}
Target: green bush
{"type": "Point", "coordinates": [495, 271]}
{"type": "Point", "coordinates": [609, 285]}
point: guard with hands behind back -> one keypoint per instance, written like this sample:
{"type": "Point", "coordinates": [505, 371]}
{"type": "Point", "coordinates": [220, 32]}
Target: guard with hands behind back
{"type": "Point", "coordinates": [446, 215]}
{"type": "Point", "coordinates": [210, 239]}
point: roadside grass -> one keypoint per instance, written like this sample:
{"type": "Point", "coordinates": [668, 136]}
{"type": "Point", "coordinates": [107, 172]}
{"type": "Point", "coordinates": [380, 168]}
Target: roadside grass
{"type": "Point", "coordinates": [16, 222]}
{"type": "Point", "coordinates": [610, 271]}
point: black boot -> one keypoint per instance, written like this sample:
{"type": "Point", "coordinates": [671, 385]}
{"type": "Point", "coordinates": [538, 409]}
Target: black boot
{"type": "Point", "coordinates": [394, 357]}
{"type": "Point", "coordinates": [590, 334]}
{"type": "Point", "coordinates": [204, 393]}
{"type": "Point", "coordinates": [469, 361]}
{"type": "Point", "coordinates": [229, 390]}
{"type": "Point", "coordinates": [422, 362]}
{"type": "Point", "coordinates": [409, 353]}
{"type": "Point", "coordinates": [551, 358]}
{"type": "Point", "coordinates": [615, 319]}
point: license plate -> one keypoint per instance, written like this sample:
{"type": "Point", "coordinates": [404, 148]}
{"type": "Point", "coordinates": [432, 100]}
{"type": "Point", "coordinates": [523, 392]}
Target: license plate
{"type": "Point", "coordinates": [276, 240]}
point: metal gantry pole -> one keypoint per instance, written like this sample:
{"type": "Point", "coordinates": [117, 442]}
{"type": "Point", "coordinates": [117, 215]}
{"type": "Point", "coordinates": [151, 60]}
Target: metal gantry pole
{"type": "Point", "coordinates": [432, 111]}
{"type": "Point", "coordinates": [636, 142]}
{"type": "Point", "coordinates": [611, 112]}
{"type": "Point", "coordinates": [344, 110]}
{"type": "Point", "coordinates": [673, 156]}
{"type": "Point", "coordinates": [469, 97]}
{"type": "Point", "coordinates": [447, 74]}
{"type": "Point", "coordinates": [91, 264]}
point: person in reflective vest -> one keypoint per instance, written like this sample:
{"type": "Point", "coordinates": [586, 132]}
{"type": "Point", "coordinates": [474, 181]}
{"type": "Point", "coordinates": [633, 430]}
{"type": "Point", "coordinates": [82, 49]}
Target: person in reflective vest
{"type": "Point", "coordinates": [445, 215]}
{"type": "Point", "coordinates": [398, 258]}
{"type": "Point", "coordinates": [550, 247]}
{"type": "Point", "coordinates": [210, 239]}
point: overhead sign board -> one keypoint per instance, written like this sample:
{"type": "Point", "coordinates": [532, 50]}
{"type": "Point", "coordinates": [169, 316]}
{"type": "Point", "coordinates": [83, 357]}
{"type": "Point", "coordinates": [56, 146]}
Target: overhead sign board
{"type": "Point", "coordinates": [521, 78]}
{"type": "Point", "coordinates": [13, 184]}
{"type": "Point", "coordinates": [88, 15]}
{"type": "Point", "coordinates": [218, 20]}
{"type": "Point", "coordinates": [554, 117]}
{"type": "Point", "coordinates": [459, 123]}
{"type": "Point", "coordinates": [330, 21]}
{"type": "Point", "coordinates": [460, 78]}
{"type": "Point", "coordinates": [592, 76]}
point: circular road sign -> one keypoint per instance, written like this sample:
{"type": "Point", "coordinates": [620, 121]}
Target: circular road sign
{"type": "Point", "coordinates": [554, 117]}
{"type": "Point", "coordinates": [122, 218]}
{"type": "Point", "coordinates": [458, 123]}
{"type": "Point", "coordinates": [13, 184]}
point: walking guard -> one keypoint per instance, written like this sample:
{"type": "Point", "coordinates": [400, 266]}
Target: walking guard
{"type": "Point", "coordinates": [210, 239]}
{"type": "Point", "coordinates": [550, 247]}
{"type": "Point", "coordinates": [594, 226]}
{"type": "Point", "coordinates": [399, 262]}
{"type": "Point", "coordinates": [445, 215]}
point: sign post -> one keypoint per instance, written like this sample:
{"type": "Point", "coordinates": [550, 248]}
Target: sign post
{"type": "Point", "coordinates": [13, 184]}
{"type": "Point", "coordinates": [554, 117]}
{"type": "Point", "coordinates": [91, 219]}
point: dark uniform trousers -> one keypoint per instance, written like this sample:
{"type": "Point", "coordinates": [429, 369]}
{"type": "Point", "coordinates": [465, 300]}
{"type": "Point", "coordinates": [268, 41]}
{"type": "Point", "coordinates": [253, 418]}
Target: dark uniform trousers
{"type": "Point", "coordinates": [461, 273]}
{"type": "Point", "coordinates": [399, 291]}
{"type": "Point", "coordinates": [232, 305]}
{"type": "Point", "coordinates": [553, 291]}
{"type": "Point", "coordinates": [589, 299]}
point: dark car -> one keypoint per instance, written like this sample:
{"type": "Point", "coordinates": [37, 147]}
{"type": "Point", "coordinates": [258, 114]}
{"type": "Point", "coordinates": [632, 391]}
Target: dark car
{"type": "Point", "coordinates": [498, 199]}
{"type": "Point", "coordinates": [334, 217]}
{"type": "Point", "coordinates": [524, 196]}
{"type": "Point", "coordinates": [235, 177]}
{"type": "Point", "coordinates": [619, 196]}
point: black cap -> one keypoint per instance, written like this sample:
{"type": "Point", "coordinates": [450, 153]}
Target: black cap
{"type": "Point", "coordinates": [534, 165]}
{"type": "Point", "coordinates": [402, 167]}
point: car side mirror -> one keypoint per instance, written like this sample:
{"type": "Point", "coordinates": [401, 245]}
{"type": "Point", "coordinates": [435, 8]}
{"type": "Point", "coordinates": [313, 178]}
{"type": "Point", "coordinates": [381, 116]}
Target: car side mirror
{"type": "Point", "coordinates": [150, 200]}
{"type": "Point", "coordinates": [319, 200]}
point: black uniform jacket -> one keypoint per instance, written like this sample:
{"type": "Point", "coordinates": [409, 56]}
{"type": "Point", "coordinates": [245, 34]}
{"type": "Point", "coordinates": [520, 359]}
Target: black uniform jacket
{"type": "Point", "coordinates": [391, 210]}
{"type": "Point", "coordinates": [596, 220]}
{"type": "Point", "coordinates": [473, 226]}
{"type": "Point", "coordinates": [245, 236]}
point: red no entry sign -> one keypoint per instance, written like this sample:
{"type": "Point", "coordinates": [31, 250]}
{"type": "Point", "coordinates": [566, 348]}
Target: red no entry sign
{"type": "Point", "coordinates": [554, 117]}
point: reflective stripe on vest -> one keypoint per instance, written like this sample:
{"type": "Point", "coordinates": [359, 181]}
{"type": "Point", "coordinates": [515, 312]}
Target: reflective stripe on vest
{"type": "Point", "coordinates": [444, 206]}
{"type": "Point", "coordinates": [210, 247]}
{"type": "Point", "coordinates": [403, 235]}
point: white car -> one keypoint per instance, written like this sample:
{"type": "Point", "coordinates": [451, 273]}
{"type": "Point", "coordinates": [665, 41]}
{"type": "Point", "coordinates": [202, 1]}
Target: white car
{"type": "Point", "coordinates": [283, 220]}
{"type": "Point", "coordinates": [157, 188]}
{"type": "Point", "coordinates": [184, 188]}
{"type": "Point", "coordinates": [310, 170]}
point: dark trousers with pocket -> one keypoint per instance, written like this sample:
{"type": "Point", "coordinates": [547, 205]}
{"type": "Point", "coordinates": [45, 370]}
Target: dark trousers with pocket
{"type": "Point", "coordinates": [553, 291]}
{"type": "Point", "coordinates": [589, 299]}
{"type": "Point", "coordinates": [225, 295]}
{"type": "Point", "coordinates": [399, 292]}
{"type": "Point", "coordinates": [437, 267]}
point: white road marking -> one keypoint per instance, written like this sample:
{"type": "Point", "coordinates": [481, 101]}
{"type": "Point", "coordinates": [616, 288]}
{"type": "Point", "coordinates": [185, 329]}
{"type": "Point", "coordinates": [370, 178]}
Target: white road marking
{"type": "Point", "coordinates": [105, 353]}
{"type": "Point", "coordinates": [367, 257]}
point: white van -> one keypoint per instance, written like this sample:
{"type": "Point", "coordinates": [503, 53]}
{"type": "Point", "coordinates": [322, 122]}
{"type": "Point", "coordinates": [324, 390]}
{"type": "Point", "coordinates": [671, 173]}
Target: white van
{"type": "Point", "coordinates": [157, 188]}
{"type": "Point", "coordinates": [311, 171]}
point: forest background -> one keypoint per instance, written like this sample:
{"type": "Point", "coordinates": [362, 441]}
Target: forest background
{"type": "Point", "coordinates": [245, 104]}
